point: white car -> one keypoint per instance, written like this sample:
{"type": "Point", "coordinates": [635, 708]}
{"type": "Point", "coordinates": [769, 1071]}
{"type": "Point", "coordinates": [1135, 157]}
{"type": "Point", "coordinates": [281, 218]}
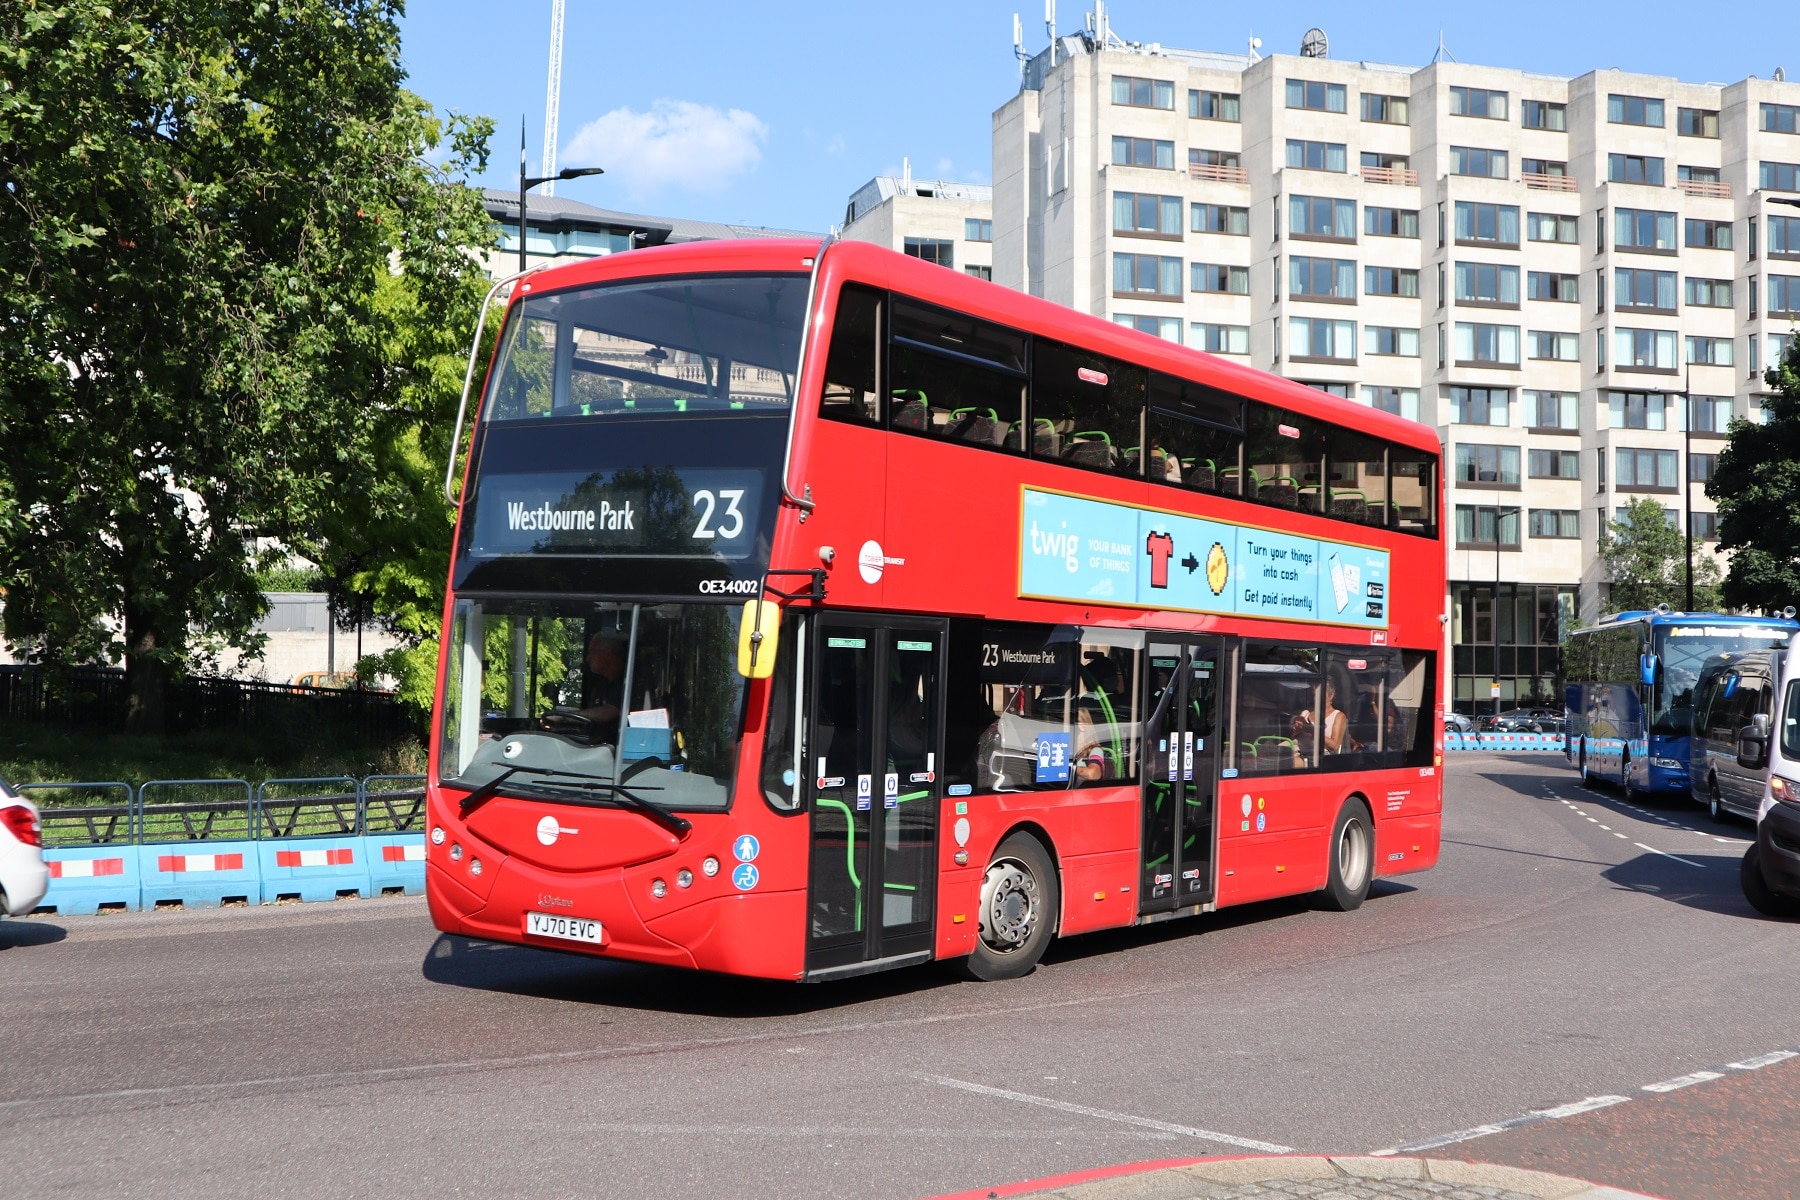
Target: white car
{"type": "Point", "coordinates": [23, 875]}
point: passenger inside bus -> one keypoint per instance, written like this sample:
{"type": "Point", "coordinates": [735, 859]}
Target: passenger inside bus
{"type": "Point", "coordinates": [1333, 723]}
{"type": "Point", "coordinates": [602, 683]}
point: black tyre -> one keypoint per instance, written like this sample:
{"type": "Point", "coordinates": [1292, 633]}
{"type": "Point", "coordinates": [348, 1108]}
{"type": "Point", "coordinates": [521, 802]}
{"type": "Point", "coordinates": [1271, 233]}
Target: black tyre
{"type": "Point", "coordinates": [1020, 900]}
{"type": "Point", "coordinates": [1352, 866]}
{"type": "Point", "coordinates": [1715, 805]}
{"type": "Point", "coordinates": [1757, 891]}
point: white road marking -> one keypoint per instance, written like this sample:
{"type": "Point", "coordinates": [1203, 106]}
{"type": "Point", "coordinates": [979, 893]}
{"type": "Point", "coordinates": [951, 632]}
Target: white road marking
{"type": "Point", "coordinates": [1681, 1081]}
{"type": "Point", "coordinates": [1763, 1060]}
{"type": "Point", "coordinates": [1608, 828]}
{"type": "Point", "coordinates": [1652, 849]}
{"type": "Point", "coordinates": [1106, 1114]}
{"type": "Point", "coordinates": [1581, 1106]}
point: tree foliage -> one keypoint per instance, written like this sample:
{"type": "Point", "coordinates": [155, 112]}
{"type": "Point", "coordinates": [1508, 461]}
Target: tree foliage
{"type": "Point", "coordinates": [1646, 558]}
{"type": "Point", "coordinates": [208, 350]}
{"type": "Point", "coordinates": [1757, 487]}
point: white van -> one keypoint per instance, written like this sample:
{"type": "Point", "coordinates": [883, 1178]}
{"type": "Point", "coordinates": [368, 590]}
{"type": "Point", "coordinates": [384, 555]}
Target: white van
{"type": "Point", "coordinates": [1764, 704]}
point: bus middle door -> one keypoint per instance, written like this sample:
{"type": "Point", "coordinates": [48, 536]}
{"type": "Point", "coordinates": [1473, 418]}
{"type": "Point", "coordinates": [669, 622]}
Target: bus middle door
{"type": "Point", "coordinates": [874, 745]}
{"type": "Point", "coordinates": [1179, 835]}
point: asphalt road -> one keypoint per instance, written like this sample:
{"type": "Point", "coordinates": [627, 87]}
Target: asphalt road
{"type": "Point", "coordinates": [1558, 953]}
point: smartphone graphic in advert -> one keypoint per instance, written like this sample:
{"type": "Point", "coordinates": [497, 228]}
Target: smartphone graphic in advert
{"type": "Point", "coordinates": [1340, 588]}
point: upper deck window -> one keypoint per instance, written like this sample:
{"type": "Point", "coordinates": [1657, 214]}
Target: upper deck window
{"type": "Point", "coordinates": [705, 343]}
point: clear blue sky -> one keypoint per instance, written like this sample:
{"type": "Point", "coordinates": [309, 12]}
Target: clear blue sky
{"type": "Point", "coordinates": [773, 113]}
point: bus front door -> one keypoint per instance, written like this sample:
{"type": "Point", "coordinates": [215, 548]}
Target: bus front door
{"type": "Point", "coordinates": [873, 744]}
{"type": "Point", "coordinates": [1181, 743]}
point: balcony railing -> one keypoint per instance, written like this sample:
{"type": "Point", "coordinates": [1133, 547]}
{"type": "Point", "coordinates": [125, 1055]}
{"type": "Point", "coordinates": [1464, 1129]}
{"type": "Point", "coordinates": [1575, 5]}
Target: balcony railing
{"type": "Point", "coordinates": [1549, 183]}
{"type": "Point", "coordinates": [1218, 174]}
{"type": "Point", "coordinates": [1704, 187]}
{"type": "Point", "coordinates": [1398, 176]}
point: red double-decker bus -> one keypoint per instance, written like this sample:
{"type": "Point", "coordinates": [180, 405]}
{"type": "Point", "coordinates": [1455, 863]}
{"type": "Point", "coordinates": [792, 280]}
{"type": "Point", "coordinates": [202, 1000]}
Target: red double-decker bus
{"type": "Point", "coordinates": [815, 610]}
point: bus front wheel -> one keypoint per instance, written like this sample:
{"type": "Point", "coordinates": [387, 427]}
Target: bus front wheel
{"type": "Point", "coordinates": [1019, 902]}
{"type": "Point", "coordinates": [1352, 866]}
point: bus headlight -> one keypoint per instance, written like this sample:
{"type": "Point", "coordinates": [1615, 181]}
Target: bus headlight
{"type": "Point", "coordinates": [437, 835]}
{"type": "Point", "coordinates": [658, 888]}
{"type": "Point", "coordinates": [1667, 764]}
{"type": "Point", "coordinates": [455, 851]}
{"type": "Point", "coordinates": [709, 866]}
{"type": "Point", "coordinates": [684, 878]}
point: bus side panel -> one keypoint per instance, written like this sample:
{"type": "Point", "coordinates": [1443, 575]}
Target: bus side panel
{"type": "Point", "coordinates": [1404, 844]}
{"type": "Point", "coordinates": [1096, 891]}
{"type": "Point", "coordinates": [1270, 831]}
{"type": "Point", "coordinates": [758, 933]}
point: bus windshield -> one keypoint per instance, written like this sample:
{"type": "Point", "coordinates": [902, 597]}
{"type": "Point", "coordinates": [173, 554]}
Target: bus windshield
{"type": "Point", "coordinates": [694, 344]}
{"type": "Point", "coordinates": [1681, 650]}
{"type": "Point", "coordinates": [573, 696]}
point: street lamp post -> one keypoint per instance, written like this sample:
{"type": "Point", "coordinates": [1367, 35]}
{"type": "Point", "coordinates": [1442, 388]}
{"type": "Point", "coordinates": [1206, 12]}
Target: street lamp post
{"type": "Point", "coordinates": [1687, 484]}
{"type": "Point", "coordinates": [1499, 516]}
{"type": "Point", "coordinates": [527, 182]}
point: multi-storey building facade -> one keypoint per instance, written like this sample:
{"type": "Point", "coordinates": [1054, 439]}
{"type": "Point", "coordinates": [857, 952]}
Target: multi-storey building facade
{"type": "Point", "coordinates": [942, 222]}
{"type": "Point", "coordinates": [1578, 281]}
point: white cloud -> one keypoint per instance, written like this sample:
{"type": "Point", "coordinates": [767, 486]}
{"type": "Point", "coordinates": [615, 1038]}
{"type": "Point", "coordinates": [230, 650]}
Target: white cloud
{"type": "Point", "coordinates": [835, 145]}
{"type": "Point", "coordinates": [677, 144]}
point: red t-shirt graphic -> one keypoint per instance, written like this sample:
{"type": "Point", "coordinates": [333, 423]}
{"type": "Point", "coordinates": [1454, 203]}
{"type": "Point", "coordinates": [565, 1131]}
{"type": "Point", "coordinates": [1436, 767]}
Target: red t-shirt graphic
{"type": "Point", "coordinates": [1161, 548]}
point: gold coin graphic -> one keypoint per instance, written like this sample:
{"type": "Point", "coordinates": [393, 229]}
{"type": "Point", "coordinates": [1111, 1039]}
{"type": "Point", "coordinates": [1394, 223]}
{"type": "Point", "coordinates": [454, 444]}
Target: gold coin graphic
{"type": "Point", "coordinates": [1217, 569]}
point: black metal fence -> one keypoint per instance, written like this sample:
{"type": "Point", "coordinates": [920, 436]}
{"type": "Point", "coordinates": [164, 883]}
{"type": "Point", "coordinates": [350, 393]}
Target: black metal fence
{"type": "Point", "coordinates": [97, 699]}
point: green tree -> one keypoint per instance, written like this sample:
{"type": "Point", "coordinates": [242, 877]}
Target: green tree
{"type": "Point", "coordinates": [1757, 488]}
{"type": "Point", "coordinates": [1645, 557]}
{"type": "Point", "coordinates": [202, 209]}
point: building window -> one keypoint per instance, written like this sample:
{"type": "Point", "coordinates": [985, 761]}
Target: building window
{"type": "Point", "coordinates": [1634, 110]}
{"type": "Point", "coordinates": [1487, 345]}
{"type": "Point", "coordinates": [1219, 218]}
{"type": "Point", "coordinates": [1555, 464]}
{"type": "Point", "coordinates": [1146, 274]}
{"type": "Point", "coordinates": [1167, 328]}
{"type": "Point", "coordinates": [1644, 230]}
{"type": "Point", "coordinates": [1477, 102]}
{"type": "Point", "coordinates": [1479, 406]}
{"type": "Point", "coordinates": [1701, 467]}
{"type": "Point", "coordinates": [1750, 291]}
{"type": "Point", "coordinates": [1391, 281]}
{"type": "Point", "coordinates": [1544, 166]}
{"type": "Point", "coordinates": [1553, 227]}
{"type": "Point", "coordinates": [1143, 152]}
{"type": "Point", "coordinates": [1644, 350]}
{"type": "Point", "coordinates": [1637, 410]}
{"type": "Point", "coordinates": [1332, 389]}
{"type": "Point", "coordinates": [980, 229]}
{"type": "Point", "coordinates": [1487, 224]}
{"type": "Point", "coordinates": [1778, 176]}
{"type": "Point", "coordinates": [1390, 222]}
{"type": "Point", "coordinates": [1709, 293]}
{"type": "Point", "coordinates": [1709, 235]}
{"type": "Point", "coordinates": [1316, 156]}
{"type": "Point", "coordinates": [1706, 526]}
{"type": "Point", "coordinates": [1489, 466]}
{"type": "Point", "coordinates": [1213, 106]}
{"type": "Point", "coordinates": [1711, 351]}
{"type": "Point", "coordinates": [1320, 97]}
{"type": "Point", "coordinates": [1544, 114]}
{"type": "Point", "coordinates": [1697, 174]}
{"type": "Point", "coordinates": [1645, 470]}
{"type": "Point", "coordinates": [1697, 122]}
{"type": "Point", "coordinates": [1215, 158]}
{"type": "Point", "coordinates": [1221, 339]}
{"type": "Point", "coordinates": [1780, 118]}
{"type": "Point", "coordinates": [1319, 338]}
{"type": "Point", "coordinates": [1555, 523]}
{"type": "Point", "coordinates": [1552, 410]}
{"type": "Point", "coordinates": [1784, 295]}
{"type": "Point", "coordinates": [1487, 283]}
{"type": "Point", "coordinates": [1376, 160]}
{"type": "Point", "coordinates": [1322, 217]}
{"type": "Point", "coordinates": [1474, 160]}
{"type": "Point", "coordinates": [1546, 285]}
{"type": "Point", "coordinates": [1390, 342]}
{"type": "Point", "coordinates": [1778, 348]}
{"type": "Point", "coordinates": [1321, 278]}
{"type": "Point", "coordinates": [1784, 236]}
{"type": "Point", "coordinates": [1486, 526]}
{"type": "Point", "coordinates": [980, 272]}
{"type": "Point", "coordinates": [1634, 168]}
{"type": "Point", "coordinates": [1219, 277]}
{"type": "Point", "coordinates": [1712, 414]}
{"type": "Point", "coordinates": [1670, 517]}
{"type": "Point", "coordinates": [1650, 291]}
{"type": "Point", "coordinates": [1554, 347]}
{"type": "Point", "coordinates": [1135, 212]}
{"type": "Point", "coordinates": [1143, 93]}
{"type": "Point", "coordinates": [1388, 110]}
{"type": "Point", "coordinates": [1402, 402]}
{"type": "Point", "coordinates": [941, 251]}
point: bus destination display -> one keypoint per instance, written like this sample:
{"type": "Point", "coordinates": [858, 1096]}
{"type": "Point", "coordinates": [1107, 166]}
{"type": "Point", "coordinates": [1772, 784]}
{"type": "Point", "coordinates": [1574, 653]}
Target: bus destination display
{"type": "Point", "coordinates": [633, 511]}
{"type": "Point", "coordinates": [1073, 548]}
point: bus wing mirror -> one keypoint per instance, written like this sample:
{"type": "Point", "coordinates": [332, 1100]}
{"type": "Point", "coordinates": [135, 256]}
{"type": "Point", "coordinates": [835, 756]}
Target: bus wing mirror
{"type": "Point", "coordinates": [1647, 669]}
{"type": "Point", "coordinates": [759, 635]}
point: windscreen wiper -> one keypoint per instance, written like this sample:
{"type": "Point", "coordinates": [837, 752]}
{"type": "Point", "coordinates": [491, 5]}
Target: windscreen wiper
{"type": "Point", "coordinates": [486, 791]}
{"type": "Point", "coordinates": [679, 826]}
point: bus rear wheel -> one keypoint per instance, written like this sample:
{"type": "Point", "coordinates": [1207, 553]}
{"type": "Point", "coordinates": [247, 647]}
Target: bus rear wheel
{"type": "Point", "coordinates": [1019, 902]}
{"type": "Point", "coordinates": [1352, 866]}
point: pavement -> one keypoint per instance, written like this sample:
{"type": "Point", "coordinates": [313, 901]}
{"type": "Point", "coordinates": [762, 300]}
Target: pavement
{"type": "Point", "coordinates": [1578, 989]}
{"type": "Point", "coordinates": [1316, 1177]}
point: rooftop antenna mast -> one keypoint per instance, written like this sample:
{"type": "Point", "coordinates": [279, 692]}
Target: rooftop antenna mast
{"type": "Point", "coordinates": [553, 95]}
{"type": "Point", "coordinates": [1019, 45]}
{"type": "Point", "coordinates": [1443, 54]}
{"type": "Point", "coordinates": [1255, 45]}
{"type": "Point", "coordinates": [1050, 27]}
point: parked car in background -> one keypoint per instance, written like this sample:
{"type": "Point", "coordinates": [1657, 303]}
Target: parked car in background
{"type": "Point", "coordinates": [334, 680]}
{"type": "Point", "coordinates": [1528, 718]}
{"type": "Point", "coordinates": [1455, 722]}
{"type": "Point", "coordinates": [23, 876]}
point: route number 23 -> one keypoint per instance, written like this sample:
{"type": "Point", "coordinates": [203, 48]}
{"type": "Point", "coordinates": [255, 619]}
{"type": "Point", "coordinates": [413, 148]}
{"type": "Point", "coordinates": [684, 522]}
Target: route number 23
{"type": "Point", "coordinates": [731, 522]}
